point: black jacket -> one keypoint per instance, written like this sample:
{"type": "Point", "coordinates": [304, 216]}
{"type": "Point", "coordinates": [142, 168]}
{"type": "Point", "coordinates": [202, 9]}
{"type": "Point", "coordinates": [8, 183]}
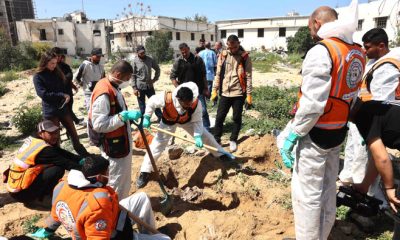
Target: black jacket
{"type": "Point", "coordinates": [51, 89]}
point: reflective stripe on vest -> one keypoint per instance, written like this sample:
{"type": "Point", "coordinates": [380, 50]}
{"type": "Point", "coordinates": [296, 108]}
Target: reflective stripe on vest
{"type": "Point", "coordinates": [171, 116]}
{"type": "Point", "coordinates": [348, 63]}
{"type": "Point", "coordinates": [365, 95]}
{"type": "Point", "coordinates": [23, 170]}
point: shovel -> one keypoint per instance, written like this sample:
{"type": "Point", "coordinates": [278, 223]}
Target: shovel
{"type": "Point", "coordinates": [166, 203]}
{"type": "Point", "coordinates": [139, 221]}
{"type": "Point", "coordinates": [230, 155]}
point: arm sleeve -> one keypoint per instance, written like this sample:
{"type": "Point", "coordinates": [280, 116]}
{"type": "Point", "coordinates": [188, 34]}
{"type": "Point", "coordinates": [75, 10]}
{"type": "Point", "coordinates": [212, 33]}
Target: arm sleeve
{"type": "Point", "coordinates": [249, 72]}
{"type": "Point", "coordinates": [197, 121]}
{"type": "Point", "coordinates": [217, 74]}
{"type": "Point", "coordinates": [58, 157]}
{"type": "Point", "coordinates": [79, 73]}
{"type": "Point", "coordinates": [44, 93]}
{"type": "Point", "coordinates": [384, 83]}
{"type": "Point", "coordinates": [174, 71]}
{"type": "Point", "coordinates": [315, 89]}
{"type": "Point", "coordinates": [155, 101]}
{"type": "Point", "coordinates": [157, 70]}
{"type": "Point", "coordinates": [214, 58]}
{"type": "Point", "coordinates": [98, 225]}
{"type": "Point", "coordinates": [203, 72]}
{"type": "Point", "coordinates": [68, 75]}
{"type": "Point", "coordinates": [101, 121]}
{"type": "Point", "coordinates": [133, 79]}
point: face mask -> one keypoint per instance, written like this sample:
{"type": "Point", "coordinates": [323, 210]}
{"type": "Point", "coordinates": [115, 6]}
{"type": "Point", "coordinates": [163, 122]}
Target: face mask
{"type": "Point", "coordinates": [121, 84]}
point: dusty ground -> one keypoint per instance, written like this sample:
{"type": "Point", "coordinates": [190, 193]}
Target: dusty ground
{"type": "Point", "coordinates": [211, 200]}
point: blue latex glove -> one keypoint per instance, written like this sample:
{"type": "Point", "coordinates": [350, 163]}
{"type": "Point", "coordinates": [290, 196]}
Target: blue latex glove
{"type": "Point", "coordinates": [133, 115]}
{"type": "Point", "coordinates": [82, 161]}
{"type": "Point", "coordinates": [146, 121]}
{"type": "Point", "coordinates": [198, 141]}
{"type": "Point", "coordinates": [41, 233]}
{"type": "Point", "coordinates": [286, 150]}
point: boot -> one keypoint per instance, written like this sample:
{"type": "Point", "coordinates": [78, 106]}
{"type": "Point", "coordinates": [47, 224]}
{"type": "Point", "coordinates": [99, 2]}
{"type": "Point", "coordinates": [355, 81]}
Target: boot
{"type": "Point", "coordinates": [142, 180]}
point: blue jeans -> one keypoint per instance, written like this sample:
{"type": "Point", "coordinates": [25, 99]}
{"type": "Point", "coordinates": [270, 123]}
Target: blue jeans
{"type": "Point", "coordinates": [142, 100]}
{"type": "Point", "coordinates": [210, 86]}
{"type": "Point", "coordinates": [206, 119]}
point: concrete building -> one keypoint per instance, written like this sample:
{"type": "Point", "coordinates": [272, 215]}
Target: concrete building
{"type": "Point", "coordinates": [129, 32]}
{"type": "Point", "coordinates": [272, 33]}
{"type": "Point", "coordinates": [12, 11]}
{"type": "Point", "coordinates": [74, 34]}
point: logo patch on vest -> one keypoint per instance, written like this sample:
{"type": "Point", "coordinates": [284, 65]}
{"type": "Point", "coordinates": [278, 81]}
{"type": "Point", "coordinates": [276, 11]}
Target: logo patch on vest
{"type": "Point", "coordinates": [354, 73]}
{"type": "Point", "coordinates": [100, 225]}
{"type": "Point", "coordinates": [65, 216]}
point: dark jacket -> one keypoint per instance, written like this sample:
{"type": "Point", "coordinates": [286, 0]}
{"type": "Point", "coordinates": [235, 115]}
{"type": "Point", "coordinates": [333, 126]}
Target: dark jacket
{"type": "Point", "coordinates": [142, 73]}
{"type": "Point", "coordinates": [190, 70]}
{"type": "Point", "coordinates": [51, 89]}
{"type": "Point", "coordinates": [66, 69]}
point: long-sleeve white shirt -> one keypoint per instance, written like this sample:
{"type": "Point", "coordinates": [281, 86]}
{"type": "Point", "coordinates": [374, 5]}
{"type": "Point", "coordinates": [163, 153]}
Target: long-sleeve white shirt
{"type": "Point", "coordinates": [158, 101]}
{"type": "Point", "coordinates": [385, 79]}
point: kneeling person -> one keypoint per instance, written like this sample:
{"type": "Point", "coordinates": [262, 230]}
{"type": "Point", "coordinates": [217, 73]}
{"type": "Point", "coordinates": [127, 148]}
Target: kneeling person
{"type": "Point", "coordinates": [88, 209]}
{"type": "Point", "coordinates": [38, 167]}
{"type": "Point", "coordinates": [179, 108]}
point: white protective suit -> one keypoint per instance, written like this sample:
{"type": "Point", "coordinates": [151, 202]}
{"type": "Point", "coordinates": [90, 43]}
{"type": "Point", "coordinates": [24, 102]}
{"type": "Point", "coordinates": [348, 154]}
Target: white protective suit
{"type": "Point", "coordinates": [138, 204]}
{"type": "Point", "coordinates": [315, 169]}
{"type": "Point", "coordinates": [120, 168]}
{"type": "Point", "coordinates": [194, 127]}
{"type": "Point", "coordinates": [383, 86]}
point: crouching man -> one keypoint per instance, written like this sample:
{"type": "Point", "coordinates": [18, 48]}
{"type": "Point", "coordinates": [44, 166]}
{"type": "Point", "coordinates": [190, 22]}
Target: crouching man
{"type": "Point", "coordinates": [88, 209]}
{"type": "Point", "coordinates": [179, 108]}
{"type": "Point", "coordinates": [38, 166]}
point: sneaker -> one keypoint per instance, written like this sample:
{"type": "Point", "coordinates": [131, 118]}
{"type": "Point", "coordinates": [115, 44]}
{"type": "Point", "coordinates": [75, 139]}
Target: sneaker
{"type": "Point", "coordinates": [142, 180]}
{"type": "Point", "coordinates": [232, 146]}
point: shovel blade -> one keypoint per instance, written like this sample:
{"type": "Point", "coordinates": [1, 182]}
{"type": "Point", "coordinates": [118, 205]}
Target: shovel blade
{"type": "Point", "coordinates": [166, 205]}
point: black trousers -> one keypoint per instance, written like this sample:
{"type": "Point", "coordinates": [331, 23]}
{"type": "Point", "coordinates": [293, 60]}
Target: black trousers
{"type": "Point", "coordinates": [142, 101]}
{"type": "Point", "coordinates": [42, 186]}
{"type": "Point", "coordinates": [225, 103]}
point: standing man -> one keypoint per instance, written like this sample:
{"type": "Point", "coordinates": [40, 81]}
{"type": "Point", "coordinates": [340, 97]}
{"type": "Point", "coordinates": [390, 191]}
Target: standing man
{"type": "Point", "coordinates": [89, 73]}
{"type": "Point", "coordinates": [233, 81]}
{"type": "Point", "coordinates": [142, 83]}
{"type": "Point", "coordinates": [380, 82]}
{"type": "Point", "coordinates": [190, 68]}
{"type": "Point", "coordinates": [202, 44]}
{"type": "Point", "coordinates": [332, 73]}
{"type": "Point", "coordinates": [210, 61]}
{"type": "Point", "coordinates": [109, 120]}
{"type": "Point", "coordinates": [218, 48]}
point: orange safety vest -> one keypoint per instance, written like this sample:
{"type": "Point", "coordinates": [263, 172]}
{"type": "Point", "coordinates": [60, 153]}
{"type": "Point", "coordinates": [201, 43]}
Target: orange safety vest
{"type": "Point", "coordinates": [171, 116]}
{"type": "Point", "coordinates": [348, 61]}
{"type": "Point", "coordinates": [365, 93]}
{"type": "Point", "coordinates": [87, 213]}
{"type": "Point", "coordinates": [241, 70]}
{"type": "Point", "coordinates": [115, 143]}
{"type": "Point", "coordinates": [23, 170]}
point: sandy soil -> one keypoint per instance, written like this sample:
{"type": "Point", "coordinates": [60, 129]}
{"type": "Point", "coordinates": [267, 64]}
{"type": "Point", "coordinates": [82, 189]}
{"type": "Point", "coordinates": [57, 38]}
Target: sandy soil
{"type": "Point", "coordinates": [211, 199]}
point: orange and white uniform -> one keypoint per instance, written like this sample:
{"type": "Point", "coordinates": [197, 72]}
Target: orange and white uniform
{"type": "Point", "coordinates": [193, 124]}
{"type": "Point", "coordinates": [91, 211]}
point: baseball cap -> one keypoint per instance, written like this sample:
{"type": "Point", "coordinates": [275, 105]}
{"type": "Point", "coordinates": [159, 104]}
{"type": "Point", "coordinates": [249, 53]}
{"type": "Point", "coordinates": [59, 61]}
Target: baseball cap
{"type": "Point", "coordinates": [48, 126]}
{"type": "Point", "coordinates": [97, 52]}
{"type": "Point", "coordinates": [140, 48]}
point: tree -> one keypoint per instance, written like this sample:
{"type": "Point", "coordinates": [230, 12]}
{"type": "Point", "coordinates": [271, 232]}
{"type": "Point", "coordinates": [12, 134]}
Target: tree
{"type": "Point", "coordinates": [158, 47]}
{"type": "Point", "coordinates": [198, 18]}
{"type": "Point", "coordinates": [301, 42]}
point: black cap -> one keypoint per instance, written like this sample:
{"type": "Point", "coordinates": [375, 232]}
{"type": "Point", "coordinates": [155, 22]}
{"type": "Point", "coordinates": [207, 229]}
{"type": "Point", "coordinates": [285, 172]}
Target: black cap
{"type": "Point", "coordinates": [140, 48]}
{"type": "Point", "coordinates": [48, 126]}
{"type": "Point", "coordinates": [97, 52]}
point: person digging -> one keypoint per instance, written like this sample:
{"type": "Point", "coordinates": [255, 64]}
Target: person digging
{"type": "Point", "coordinates": [179, 108]}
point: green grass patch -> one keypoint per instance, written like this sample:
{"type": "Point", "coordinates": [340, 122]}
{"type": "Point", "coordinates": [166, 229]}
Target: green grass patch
{"type": "Point", "coordinates": [75, 63]}
{"type": "Point", "coordinates": [274, 106]}
{"type": "Point", "coordinates": [27, 118]}
{"type": "Point", "coordinates": [9, 76]}
{"type": "Point", "coordinates": [29, 226]}
{"type": "Point", "coordinates": [3, 89]}
{"type": "Point", "coordinates": [264, 62]}
{"type": "Point", "coordinates": [294, 59]}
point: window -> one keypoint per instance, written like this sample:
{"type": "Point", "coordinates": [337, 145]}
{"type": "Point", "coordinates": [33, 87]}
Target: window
{"type": "Point", "coordinates": [380, 22]}
{"type": "Point", "coordinates": [260, 32]}
{"type": "Point", "coordinates": [170, 35]}
{"type": "Point", "coordinates": [192, 36]}
{"type": "Point", "coordinates": [240, 33]}
{"type": "Point", "coordinates": [64, 51]}
{"type": "Point", "coordinates": [202, 36]}
{"type": "Point", "coordinates": [282, 32]}
{"type": "Point", "coordinates": [360, 23]}
{"type": "Point", "coordinates": [128, 38]}
{"type": "Point", "coordinates": [96, 33]}
{"type": "Point", "coordinates": [178, 36]}
{"type": "Point", "coordinates": [223, 33]}
{"type": "Point", "coordinates": [42, 35]}
{"type": "Point", "coordinates": [150, 33]}
{"type": "Point", "coordinates": [60, 31]}
{"type": "Point", "coordinates": [212, 37]}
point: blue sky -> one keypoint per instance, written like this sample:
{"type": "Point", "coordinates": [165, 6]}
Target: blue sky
{"type": "Point", "coordinates": [213, 9]}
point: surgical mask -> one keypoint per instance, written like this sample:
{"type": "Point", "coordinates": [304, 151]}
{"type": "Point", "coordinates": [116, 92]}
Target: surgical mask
{"type": "Point", "coordinates": [124, 85]}
{"type": "Point", "coordinates": [121, 84]}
